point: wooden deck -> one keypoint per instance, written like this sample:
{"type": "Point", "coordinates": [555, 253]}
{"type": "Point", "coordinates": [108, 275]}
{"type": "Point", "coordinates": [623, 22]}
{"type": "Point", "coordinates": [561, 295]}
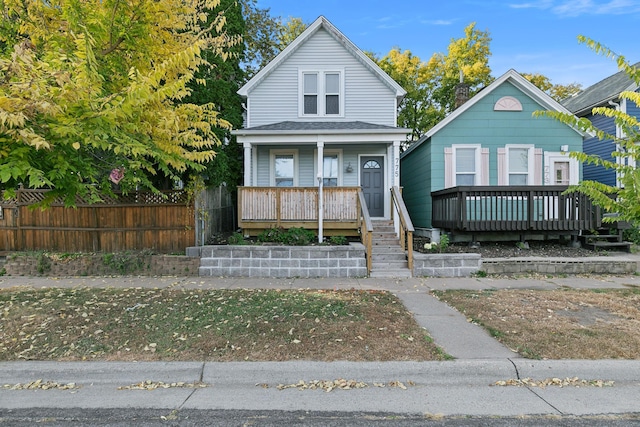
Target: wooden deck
{"type": "Point", "coordinates": [518, 209]}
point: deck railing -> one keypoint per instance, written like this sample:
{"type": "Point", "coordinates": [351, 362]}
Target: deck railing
{"type": "Point", "coordinates": [406, 232]}
{"type": "Point", "coordinates": [267, 207]}
{"type": "Point", "coordinates": [513, 209]}
{"type": "Point", "coordinates": [366, 228]}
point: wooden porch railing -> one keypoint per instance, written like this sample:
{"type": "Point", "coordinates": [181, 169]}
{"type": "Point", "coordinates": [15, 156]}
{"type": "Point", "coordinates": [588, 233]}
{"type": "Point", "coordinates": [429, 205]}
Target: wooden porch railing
{"type": "Point", "coordinates": [260, 208]}
{"type": "Point", "coordinates": [513, 209]}
{"type": "Point", "coordinates": [366, 228]}
{"type": "Point", "coordinates": [406, 232]}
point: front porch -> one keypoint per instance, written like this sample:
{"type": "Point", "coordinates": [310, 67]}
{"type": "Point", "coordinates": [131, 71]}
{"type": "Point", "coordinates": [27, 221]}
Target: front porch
{"type": "Point", "coordinates": [338, 213]}
{"type": "Point", "coordinates": [329, 211]}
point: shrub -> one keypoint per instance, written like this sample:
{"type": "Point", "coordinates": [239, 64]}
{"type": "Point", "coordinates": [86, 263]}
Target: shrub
{"type": "Point", "coordinates": [338, 240]}
{"type": "Point", "coordinates": [293, 236]}
{"type": "Point", "coordinates": [236, 239]}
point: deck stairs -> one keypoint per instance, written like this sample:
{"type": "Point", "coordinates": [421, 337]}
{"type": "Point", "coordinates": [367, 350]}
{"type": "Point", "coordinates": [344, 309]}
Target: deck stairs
{"type": "Point", "coordinates": [609, 237]}
{"type": "Point", "coordinates": [388, 258]}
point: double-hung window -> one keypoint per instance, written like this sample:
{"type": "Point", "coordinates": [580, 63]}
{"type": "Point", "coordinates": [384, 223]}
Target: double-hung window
{"type": "Point", "coordinates": [321, 93]}
{"type": "Point", "coordinates": [330, 170]}
{"type": "Point", "coordinates": [283, 163]}
{"type": "Point", "coordinates": [467, 165]}
{"type": "Point", "coordinates": [520, 164]}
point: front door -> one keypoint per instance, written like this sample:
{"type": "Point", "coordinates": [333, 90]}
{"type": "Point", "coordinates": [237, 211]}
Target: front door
{"type": "Point", "coordinates": [372, 183]}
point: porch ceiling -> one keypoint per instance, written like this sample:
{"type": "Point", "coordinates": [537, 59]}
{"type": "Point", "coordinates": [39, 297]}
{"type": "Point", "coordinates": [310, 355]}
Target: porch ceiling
{"type": "Point", "coordinates": [312, 132]}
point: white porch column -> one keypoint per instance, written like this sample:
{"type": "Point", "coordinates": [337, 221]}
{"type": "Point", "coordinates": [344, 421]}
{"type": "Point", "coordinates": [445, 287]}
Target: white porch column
{"type": "Point", "coordinates": [247, 163]}
{"type": "Point", "coordinates": [320, 168]}
{"type": "Point", "coordinates": [396, 163]}
{"type": "Point", "coordinates": [396, 179]}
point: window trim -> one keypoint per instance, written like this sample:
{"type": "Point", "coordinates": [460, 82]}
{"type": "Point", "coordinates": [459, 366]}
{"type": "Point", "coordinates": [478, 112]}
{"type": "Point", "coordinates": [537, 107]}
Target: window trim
{"type": "Point", "coordinates": [321, 93]}
{"type": "Point", "coordinates": [530, 162]}
{"type": "Point", "coordinates": [324, 154]}
{"type": "Point", "coordinates": [477, 179]}
{"type": "Point", "coordinates": [272, 164]}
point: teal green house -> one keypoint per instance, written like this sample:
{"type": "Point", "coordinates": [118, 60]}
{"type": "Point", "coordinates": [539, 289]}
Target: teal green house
{"type": "Point", "coordinates": [491, 140]}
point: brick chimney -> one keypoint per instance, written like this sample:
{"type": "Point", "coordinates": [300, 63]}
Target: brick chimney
{"type": "Point", "coordinates": [462, 91]}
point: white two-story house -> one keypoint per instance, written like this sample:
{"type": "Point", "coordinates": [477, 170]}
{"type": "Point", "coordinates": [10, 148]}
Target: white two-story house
{"type": "Point", "coordinates": [320, 137]}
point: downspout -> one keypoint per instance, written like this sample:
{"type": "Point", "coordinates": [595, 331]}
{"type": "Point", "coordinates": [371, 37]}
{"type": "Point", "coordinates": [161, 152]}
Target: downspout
{"type": "Point", "coordinates": [320, 146]}
{"type": "Point", "coordinates": [619, 160]}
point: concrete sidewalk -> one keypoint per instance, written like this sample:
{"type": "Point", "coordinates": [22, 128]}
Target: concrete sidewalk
{"type": "Point", "coordinates": [460, 387]}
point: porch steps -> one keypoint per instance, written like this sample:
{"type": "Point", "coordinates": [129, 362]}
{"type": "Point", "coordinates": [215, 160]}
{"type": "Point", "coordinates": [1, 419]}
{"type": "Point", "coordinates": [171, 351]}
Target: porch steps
{"type": "Point", "coordinates": [607, 238]}
{"type": "Point", "coordinates": [388, 259]}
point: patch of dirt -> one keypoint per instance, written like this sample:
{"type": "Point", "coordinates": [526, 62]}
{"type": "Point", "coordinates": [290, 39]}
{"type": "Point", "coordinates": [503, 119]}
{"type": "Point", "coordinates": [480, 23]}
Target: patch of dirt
{"type": "Point", "coordinates": [556, 324]}
{"type": "Point", "coordinates": [535, 248]}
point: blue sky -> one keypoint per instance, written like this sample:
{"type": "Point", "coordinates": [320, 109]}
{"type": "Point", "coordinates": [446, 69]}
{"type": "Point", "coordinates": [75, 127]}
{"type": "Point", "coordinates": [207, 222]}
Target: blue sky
{"type": "Point", "coordinates": [530, 36]}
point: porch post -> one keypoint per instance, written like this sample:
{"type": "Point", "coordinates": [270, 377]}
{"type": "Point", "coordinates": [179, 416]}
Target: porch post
{"type": "Point", "coordinates": [247, 163]}
{"type": "Point", "coordinates": [320, 145]}
{"type": "Point", "coordinates": [396, 180]}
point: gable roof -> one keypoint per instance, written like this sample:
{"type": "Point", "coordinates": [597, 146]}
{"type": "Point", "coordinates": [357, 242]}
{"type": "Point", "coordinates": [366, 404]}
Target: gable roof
{"type": "Point", "coordinates": [324, 23]}
{"type": "Point", "coordinates": [600, 93]}
{"type": "Point", "coordinates": [510, 76]}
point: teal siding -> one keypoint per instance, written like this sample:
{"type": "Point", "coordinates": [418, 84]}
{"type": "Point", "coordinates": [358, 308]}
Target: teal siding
{"type": "Point", "coordinates": [480, 124]}
{"type": "Point", "coordinates": [416, 177]}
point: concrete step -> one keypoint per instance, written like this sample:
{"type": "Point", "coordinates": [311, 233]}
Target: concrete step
{"type": "Point", "coordinates": [388, 273]}
{"type": "Point", "coordinates": [386, 242]}
{"type": "Point", "coordinates": [389, 265]}
{"type": "Point", "coordinates": [388, 257]}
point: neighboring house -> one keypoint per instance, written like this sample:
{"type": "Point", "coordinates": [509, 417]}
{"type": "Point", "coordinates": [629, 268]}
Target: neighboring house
{"type": "Point", "coordinates": [605, 93]}
{"type": "Point", "coordinates": [493, 144]}
{"type": "Point", "coordinates": [320, 126]}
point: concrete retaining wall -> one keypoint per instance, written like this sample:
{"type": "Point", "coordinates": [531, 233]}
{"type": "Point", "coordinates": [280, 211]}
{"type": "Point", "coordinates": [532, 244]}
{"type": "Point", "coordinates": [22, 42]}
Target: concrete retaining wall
{"type": "Point", "coordinates": [96, 265]}
{"type": "Point", "coordinates": [281, 261]}
{"type": "Point", "coordinates": [445, 265]}
{"type": "Point", "coordinates": [589, 265]}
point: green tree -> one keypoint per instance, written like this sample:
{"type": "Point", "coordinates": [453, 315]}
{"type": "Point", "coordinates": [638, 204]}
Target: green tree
{"type": "Point", "coordinates": [557, 91]}
{"type": "Point", "coordinates": [88, 88]}
{"type": "Point", "coordinates": [431, 86]}
{"type": "Point", "coordinates": [222, 79]}
{"type": "Point", "coordinates": [289, 31]}
{"type": "Point", "coordinates": [416, 111]}
{"type": "Point", "coordinates": [624, 200]}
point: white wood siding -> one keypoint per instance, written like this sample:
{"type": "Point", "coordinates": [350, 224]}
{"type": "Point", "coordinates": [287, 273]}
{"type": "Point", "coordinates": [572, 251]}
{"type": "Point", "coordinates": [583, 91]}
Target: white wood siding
{"type": "Point", "coordinates": [367, 98]}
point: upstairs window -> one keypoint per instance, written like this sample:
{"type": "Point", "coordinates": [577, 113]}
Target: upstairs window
{"type": "Point", "coordinates": [321, 93]}
{"type": "Point", "coordinates": [332, 93]}
{"type": "Point", "coordinates": [310, 93]}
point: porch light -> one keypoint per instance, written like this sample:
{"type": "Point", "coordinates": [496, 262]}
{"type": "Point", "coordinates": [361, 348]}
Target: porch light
{"type": "Point", "coordinates": [349, 168]}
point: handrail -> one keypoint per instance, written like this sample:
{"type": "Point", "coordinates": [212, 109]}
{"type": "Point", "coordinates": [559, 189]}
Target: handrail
{"type": "Point", "coordinates": [367, 232]}
{"type": "Point", "coordinates": [405, 223]}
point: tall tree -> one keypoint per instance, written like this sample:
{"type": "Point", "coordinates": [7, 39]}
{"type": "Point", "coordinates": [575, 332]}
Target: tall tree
{"type": "Point", "coordinates": [468, 55]}
{"type": "Point", "coordinates": [557, 91]}
{"type": "Point", "coordinates": [624, 200]}
{"type": "Point", "coordinates": [90, 90]}
{"type": "Point", "coordinates": [289, 31]}
{"type": "Point", "coordinates": [416, 111]}
{"type": "Point", "coordinates": [222, 79]}
{"type": "Point", "coordinates": [431, 86]}
{"type": "Point", "coordinates": [260, 37]}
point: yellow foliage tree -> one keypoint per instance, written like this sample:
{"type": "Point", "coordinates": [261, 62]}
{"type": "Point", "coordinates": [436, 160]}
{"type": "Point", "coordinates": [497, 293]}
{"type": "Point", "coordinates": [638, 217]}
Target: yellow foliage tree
{"type": "Point", "coordinates": [92, 87]}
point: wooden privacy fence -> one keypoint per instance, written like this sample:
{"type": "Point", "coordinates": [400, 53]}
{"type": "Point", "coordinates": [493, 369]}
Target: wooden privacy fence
{"type": "Point", "coordinates": [142, 220]}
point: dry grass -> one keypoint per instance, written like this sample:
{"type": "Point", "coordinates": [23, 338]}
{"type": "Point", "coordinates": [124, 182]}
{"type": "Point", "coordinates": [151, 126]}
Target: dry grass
{"type": "Point", "coordinates": [209, 325]}
{"type": "Point", "coordinates": [557, 324]}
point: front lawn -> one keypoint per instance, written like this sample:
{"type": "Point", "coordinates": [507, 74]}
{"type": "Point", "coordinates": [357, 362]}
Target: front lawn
{"type": "Point", "coordinates": [208, 325]}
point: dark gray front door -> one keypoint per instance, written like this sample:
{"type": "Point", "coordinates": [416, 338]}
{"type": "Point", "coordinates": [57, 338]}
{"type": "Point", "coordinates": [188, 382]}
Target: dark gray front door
{"type": "Point", "coordinates": [372, 183]}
